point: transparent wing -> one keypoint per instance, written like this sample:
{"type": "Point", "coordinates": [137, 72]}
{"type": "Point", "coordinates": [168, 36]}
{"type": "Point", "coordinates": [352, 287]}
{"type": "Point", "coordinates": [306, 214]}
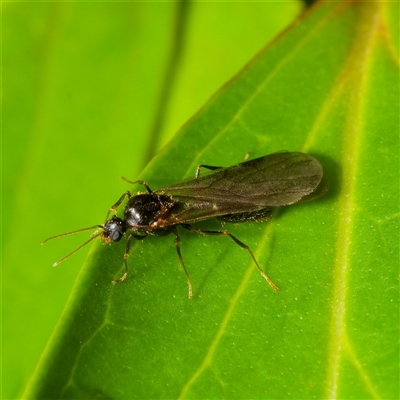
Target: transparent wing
{"type": "Point", "coordinates": [270, 181]}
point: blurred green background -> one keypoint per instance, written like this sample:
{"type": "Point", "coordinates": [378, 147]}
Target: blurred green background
{"type": "Point", "coordinates": [91, 91]}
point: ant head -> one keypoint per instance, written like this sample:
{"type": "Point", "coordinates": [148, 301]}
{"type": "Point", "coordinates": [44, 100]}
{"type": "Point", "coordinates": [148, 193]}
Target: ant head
{"type": "Point", "coordinates": [114, 229]}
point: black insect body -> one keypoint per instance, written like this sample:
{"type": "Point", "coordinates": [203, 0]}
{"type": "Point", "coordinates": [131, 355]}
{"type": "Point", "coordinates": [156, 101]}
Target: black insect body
{"type": "Point", "coordinates": [241, 193]}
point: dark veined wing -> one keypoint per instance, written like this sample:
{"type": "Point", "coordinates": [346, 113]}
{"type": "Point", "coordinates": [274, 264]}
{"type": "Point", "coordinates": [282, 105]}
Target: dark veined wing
{"type": "Point", "coordinates": [270, 181]}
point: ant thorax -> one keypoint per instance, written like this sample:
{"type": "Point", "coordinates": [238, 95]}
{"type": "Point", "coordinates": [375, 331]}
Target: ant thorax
{"type": "Point", "coordinates": [144, 210]}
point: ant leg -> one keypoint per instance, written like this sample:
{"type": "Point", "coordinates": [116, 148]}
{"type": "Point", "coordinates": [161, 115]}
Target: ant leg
{"type": "Point", "coordinates": [210, 167]}
{"type": "Point", "coordinates": [115, 206]}
{"type": "Point", "coordinates": [237, 241]}
{"type": "Point", "coordinates": [126, 256]}
{"type": "Point", "coordinates": [178, 250]}
{"type": "Point", "coordinates": [140, 182]}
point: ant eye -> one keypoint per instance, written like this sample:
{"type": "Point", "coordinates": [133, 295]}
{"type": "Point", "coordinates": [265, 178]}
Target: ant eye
{"type": "Point", "coordinates": [116, 236]}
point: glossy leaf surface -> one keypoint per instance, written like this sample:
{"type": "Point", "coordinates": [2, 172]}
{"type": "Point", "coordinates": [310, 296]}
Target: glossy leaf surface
{"type": "Point", "coordinates": [328, 86]}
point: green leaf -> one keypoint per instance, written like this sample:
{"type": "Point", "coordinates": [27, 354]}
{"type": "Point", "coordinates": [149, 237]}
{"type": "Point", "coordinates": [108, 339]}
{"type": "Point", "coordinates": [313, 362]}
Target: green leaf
{"type": "Point", "coordinates": [328, 87]}
{"type": "Point", "coordinates": [82, 83]}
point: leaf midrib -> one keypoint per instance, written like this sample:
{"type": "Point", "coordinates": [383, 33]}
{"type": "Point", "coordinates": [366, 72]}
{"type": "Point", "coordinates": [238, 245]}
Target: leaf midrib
{"type": "Point", "coordinates": [357, 59]}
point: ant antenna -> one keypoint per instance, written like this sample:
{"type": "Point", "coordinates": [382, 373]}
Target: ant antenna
{"type": "Point", "coordinates": [94, 236]}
